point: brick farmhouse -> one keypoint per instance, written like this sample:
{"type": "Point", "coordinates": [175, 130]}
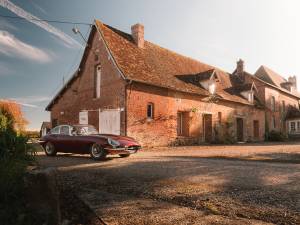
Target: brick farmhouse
{"type": "Point", "coordinates": [129, 86]}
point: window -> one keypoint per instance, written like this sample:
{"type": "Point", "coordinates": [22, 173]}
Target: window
{"type": "Point", "coordinates": [150, 111]}
{"type": "Point", "coordinates": [273, 103]}
{"type": "Point", "coordinates": [97, 82]}
{"type": "Point", "coordinates": [250, 97]}
{"type": "Point", "coordinates": [298, 125]}
{"type": "Point", "coordinates": [182, 124]}
{"type": "Point", "coordinates": [212, 88]}
{"type": "Point", "coordinates": [293, 126]}
{"type": "Point", "coordinates": [55, 130]}
{"type": "Point", "coordinates": [219, 117]}
{"type": "Point", "coordinates": [273, 122]}
{"type": "Point", "coordinates": [179, 123]}
{"type": "Point", "coordinates": [65, 130]}
{"type": "Point", "coordinates": [283, 106]}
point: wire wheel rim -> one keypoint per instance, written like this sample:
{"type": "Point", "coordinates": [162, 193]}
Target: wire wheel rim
{"type": "Point", "coordinates": [49, 148]}
{"type": "Point", "coordinates": [96, 151]}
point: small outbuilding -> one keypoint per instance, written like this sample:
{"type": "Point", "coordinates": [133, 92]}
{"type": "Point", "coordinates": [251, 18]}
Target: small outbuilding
{"type": "Point", "coordinates": [45, 128]}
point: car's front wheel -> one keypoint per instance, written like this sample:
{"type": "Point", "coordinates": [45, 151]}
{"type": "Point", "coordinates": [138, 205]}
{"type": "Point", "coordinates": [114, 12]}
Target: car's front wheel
{"type": "Point", "coordinates": [124, 155]}
{"type": "Point", "coordinates": [97, 152]}
{"type": "Point", "coordinates": [50, 149]}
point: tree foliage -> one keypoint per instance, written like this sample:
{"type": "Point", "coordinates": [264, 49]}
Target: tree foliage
{"type": "Point", "coordinates": [15, 156]}
{"type": "Point", "coordinates": [16, 114]}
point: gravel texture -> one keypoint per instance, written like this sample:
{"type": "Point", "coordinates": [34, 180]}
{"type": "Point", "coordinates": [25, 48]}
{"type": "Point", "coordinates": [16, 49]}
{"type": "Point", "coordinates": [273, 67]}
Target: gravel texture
{"type": "Point", "coordinates": [239, 184]}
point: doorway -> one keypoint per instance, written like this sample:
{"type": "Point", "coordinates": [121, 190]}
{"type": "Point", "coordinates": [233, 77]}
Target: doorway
{"type": "Point", "coordinates": [240, 129]}
{"type": "Point", "coordinates": [207, 127]}
{"type": "Point", "coordinates": [256, 129]}
{"type": "Point", "coordinates": [110, 121]}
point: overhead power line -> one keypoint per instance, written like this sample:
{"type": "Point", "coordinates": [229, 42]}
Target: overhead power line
{"type": "Point", "coordinates": [48, 21]}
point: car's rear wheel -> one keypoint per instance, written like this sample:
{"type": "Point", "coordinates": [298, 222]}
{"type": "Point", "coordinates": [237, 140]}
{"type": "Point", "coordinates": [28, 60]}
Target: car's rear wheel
{"type": "Point", "coordinates": [50, 149]}
{"type": "Point", "coordinates": [124, 155]}
{"type": "Point", "coordinates": [97, 152]}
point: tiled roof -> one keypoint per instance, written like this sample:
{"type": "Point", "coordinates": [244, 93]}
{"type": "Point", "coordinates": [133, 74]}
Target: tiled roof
{"type": "Point", "coordinates": [272, 78]}
{"type": "Point", "coordinates": [161, 67]}
{"type": "Point", "coordinates": [158, 66]}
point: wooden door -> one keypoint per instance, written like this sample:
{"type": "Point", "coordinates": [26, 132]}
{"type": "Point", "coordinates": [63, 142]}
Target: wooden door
{"type": "Point", "coordinates": [110, 121]}
{"type": "Point", "coordinates": [207, 125]}
{"type": "Point", "coordinates": [256, 129]}
{"type": "Point", "coordinates": [240, 129]}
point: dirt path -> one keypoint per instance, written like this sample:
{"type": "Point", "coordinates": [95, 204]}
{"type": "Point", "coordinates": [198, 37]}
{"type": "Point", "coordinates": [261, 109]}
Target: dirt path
{"type": "Point", "coordinates": [247, 184]}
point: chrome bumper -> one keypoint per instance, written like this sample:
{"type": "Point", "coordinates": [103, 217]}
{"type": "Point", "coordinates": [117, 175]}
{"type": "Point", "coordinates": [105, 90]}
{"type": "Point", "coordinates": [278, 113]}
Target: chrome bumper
{"type": "Point", "coordinates": [123, 150]}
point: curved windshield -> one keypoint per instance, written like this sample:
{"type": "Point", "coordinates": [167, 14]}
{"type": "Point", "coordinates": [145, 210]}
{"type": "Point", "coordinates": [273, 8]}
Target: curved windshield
{"type": "Point", "coordinates": [85, 130]}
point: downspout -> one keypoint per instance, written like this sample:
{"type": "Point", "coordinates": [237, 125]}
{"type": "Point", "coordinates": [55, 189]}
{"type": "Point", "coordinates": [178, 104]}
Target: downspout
{"type": "Point", "coordinates": [129, 83]}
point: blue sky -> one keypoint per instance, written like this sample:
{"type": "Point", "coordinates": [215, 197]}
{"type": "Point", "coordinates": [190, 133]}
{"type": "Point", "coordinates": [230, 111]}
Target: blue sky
{"type": "Point", "coordinates": [34, 58]}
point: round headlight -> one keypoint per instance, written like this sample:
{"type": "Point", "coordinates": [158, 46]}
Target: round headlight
{"type": "Point", "coordinates": [113, 142]}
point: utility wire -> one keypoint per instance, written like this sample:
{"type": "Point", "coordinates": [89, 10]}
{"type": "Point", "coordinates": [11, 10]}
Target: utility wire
{"type": "Point", "coordinates": [48, 21]}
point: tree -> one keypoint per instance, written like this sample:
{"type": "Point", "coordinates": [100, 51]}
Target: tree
{"type": "Point", "coordinates": [19, 122]}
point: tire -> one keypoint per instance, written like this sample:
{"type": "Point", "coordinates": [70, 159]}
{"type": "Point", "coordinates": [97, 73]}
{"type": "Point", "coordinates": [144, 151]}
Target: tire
{"type": "Point", "coordinates": [124, 155]}
{"type": "Point", "coordinates": [97, 152]}
{"type": "Point", "coordinates": [50, 149]}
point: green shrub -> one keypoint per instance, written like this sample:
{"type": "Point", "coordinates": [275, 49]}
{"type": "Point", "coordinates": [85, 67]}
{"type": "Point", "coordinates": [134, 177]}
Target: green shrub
{"type": "Point", "coordinates": [276, 136]}
{"type": "Point", "coordinates": [15, 156]}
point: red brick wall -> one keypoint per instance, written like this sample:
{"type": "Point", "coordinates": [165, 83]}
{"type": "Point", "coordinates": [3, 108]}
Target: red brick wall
{"type": "Point", "coordinates": [80, 95]}
{"type": "Point", "coordinates": [265, 93]}
{"type": "Point", "coordinates": [162, 130]}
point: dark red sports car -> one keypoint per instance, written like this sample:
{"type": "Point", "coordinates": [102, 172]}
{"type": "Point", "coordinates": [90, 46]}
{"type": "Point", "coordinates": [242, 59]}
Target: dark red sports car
{"type": "Point", "coordinates": [84, 139]}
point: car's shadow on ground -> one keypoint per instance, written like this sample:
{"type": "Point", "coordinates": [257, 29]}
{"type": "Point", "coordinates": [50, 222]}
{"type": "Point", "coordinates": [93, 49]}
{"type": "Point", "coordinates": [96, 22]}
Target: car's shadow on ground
{"type": "Point", "coordinates": [69, 159]}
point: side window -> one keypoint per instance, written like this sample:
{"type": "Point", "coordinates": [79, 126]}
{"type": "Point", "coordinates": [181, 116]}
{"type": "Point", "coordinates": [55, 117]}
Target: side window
{"type": "Point", "coordinates": [97, 81]}
{"type": "Point", "coordinates": [283, 106]}
{"type": "Point", "coordinates": [55, 130]}
{"type": "Point", "coordinates": [150, 111]}
{"type": "Point", "coordinates": [293, 126]}
{"type": "Point", "coordinates": [273, 103]}
{"type": "Point", "coordinates": [65, 130]}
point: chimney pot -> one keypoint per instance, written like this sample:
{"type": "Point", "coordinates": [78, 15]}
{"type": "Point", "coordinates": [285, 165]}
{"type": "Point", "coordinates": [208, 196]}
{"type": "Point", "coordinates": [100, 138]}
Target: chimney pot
{"type": "Point", "coordinates": [240, 69]}
{"type": "Point", "coordinates": [137, 32]}
{"type": "Point", "coordinates": [293, 81]}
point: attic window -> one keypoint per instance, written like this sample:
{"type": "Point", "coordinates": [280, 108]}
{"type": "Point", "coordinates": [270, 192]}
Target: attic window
{"type": "Point", "coordinates": [250, 97]}
{"type": "Point", "coordinates": [212, 88]}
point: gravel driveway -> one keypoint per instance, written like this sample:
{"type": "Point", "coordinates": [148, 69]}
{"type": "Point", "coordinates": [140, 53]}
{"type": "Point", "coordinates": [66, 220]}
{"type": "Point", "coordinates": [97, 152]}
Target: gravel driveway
{"type": "Point", "coordinates": [240, 184]}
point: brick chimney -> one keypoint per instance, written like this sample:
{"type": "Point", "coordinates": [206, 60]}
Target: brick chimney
{"type": "Point", "coordinates": [137, 33]}
{"type": "Point", "coordinates": [293, 81]}
{"type": "Point", "coordinates": [240, 69]}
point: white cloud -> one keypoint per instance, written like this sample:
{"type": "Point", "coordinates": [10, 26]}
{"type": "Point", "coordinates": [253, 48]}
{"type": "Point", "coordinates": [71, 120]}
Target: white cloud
{"type": "Point", "coordinates": [11, 46]}
{"type": "Point", "coordinates": [29, 101]}
{"type": "Point", "coordinates": [67, 40]}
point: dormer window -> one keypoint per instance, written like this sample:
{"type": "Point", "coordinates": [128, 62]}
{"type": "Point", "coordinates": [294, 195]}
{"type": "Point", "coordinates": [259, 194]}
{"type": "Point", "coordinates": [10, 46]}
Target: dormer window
{"type": "Point", "coordinates": [251, 96]}
{"type": "Point", "coordinates": [212, 87]}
